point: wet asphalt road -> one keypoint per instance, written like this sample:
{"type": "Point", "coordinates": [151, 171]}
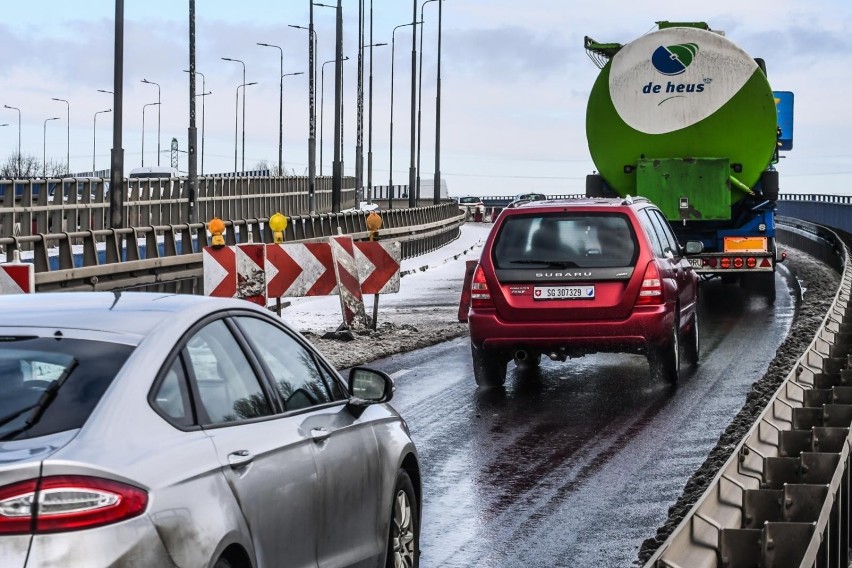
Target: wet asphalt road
{"type": "Point", "coordinates": [576, 464]}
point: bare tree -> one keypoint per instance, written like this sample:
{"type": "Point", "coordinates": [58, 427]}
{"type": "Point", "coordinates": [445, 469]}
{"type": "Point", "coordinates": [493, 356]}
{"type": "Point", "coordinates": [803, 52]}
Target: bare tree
{"type": "Point", "coordinates": [29, 167]}
{"type": "Point", "coordinates": [273, 169]}
{"type": "Point", "coordinates": [26, 167]}
{"type": "Point", "coordinates": [56, 169]}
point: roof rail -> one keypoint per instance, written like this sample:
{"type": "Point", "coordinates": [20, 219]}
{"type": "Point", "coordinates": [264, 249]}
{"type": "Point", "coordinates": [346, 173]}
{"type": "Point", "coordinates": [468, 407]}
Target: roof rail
{"type": "Point", "coordinates": [630, 200]}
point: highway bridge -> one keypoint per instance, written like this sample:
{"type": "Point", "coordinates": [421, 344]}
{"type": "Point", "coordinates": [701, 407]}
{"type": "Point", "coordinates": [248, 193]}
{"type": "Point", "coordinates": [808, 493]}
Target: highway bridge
{"type": "Point", "coordinates": [805, 428]}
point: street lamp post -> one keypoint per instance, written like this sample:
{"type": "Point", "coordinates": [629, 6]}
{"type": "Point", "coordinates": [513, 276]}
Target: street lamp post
{"type": "Point", "coordinates": [143, 130]}
{"type": "Point", "coordinates": [236, 125]}
{"type": "Point", "coordinates": [437, 183]}
{"type": "Point", "coordinates": [281, 126]}
{"type": "Point", "coordinates": [44, 155]}
{"type": "Point", "coordinates": [420, 96]}
{"type": "Point", "coordinates": [412, 174]}
{"type": "Point", "coordinates": [312, 109]}
{"type": "Point", "coordinates": [393, 52]}
{"type": "Point", "coordinates": [67, 133]}
{"type": "Point", "coordinates": [369, 195]}
{"type": "Point", "coordinates": [322, 103]}
{"type": "Point", "coordinates": [94, 136]}
{"type": "Point", "coordinates": [359, 109]}
{"type": "Point", "coordinates": [244, 104]}
{"type": "Point", "coordinates": [203, 95]}
{"type": "Point", "coordinates": [159, 113]}
{"type": "Point", "coordinates": [280, 106]}
{"type": "Point", "coordinates": [337, 167]}
{"type": "Point", "coordinates": [19, 135]}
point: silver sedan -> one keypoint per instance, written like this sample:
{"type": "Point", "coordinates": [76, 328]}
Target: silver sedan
{"type": "Point", "coordinates": [153, 430]}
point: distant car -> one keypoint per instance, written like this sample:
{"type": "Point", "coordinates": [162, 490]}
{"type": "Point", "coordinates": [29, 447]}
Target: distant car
{"type": "Point", "coordinates": [565, 278]}
{"type": "Point", "coordinates": [526, 197]}
{"type": "Point", "coordinates": [471, 206]}
{"type": "Point", "coordinates": [172, 430]}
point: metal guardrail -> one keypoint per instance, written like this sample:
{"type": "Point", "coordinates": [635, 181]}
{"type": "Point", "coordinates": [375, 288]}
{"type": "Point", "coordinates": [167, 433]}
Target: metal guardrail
{"type": "Point", "coordinates": [782, 500]}
{"type": "Point", "coordinates": [41, 206]}
{"type": "Point", "coordinates": [169, 257]}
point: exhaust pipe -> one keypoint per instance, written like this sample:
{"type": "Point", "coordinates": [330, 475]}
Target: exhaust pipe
{"type": "Point", "coordinates": [521, 355]}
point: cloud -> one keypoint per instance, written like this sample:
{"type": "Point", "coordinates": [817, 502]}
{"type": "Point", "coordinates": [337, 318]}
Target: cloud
{"type": "Point", "coordinates": [507, 53]}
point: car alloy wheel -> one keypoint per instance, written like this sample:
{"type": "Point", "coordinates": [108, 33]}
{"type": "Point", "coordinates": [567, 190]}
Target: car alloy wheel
{"type": "Point", "coordinates": [403, 530]}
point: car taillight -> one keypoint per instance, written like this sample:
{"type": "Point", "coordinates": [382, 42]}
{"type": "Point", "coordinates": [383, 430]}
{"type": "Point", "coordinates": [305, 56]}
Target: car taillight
{"type": "Point", "coordinates": [480, 296]}
{"type": "Point", "coordinates": [651, 291]}
{"type": "Point", "coordinates": [65, 503]}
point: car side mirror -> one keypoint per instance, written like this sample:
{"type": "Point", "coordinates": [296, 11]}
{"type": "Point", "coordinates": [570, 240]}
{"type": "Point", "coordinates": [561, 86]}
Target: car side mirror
{"type": "Point", "coordinates": [694, 247]}
{"type": "Point", "coordinates": [369, 386]}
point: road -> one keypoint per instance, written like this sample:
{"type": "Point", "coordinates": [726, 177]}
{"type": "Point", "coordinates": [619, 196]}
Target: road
{"type": "Point", "coordinates": [576, 464]}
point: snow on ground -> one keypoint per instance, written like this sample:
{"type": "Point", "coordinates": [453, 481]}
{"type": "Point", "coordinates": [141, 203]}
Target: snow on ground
{"type": "Point", "coordinates": [424, 311]}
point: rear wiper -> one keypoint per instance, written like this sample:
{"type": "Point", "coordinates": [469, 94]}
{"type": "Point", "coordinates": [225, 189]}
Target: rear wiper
{"type": "Point", "coordinates": [556, 263]}
{"type": "Point", "coordinates": [39, 407]}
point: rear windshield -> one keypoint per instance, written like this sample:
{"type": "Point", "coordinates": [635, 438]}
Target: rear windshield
{"type": "Point", "coordinates": [566, 240]}
{"type": "Point", "coordinates": [469, 200]}
{"type": "Point", "coordinates": [50, 385]}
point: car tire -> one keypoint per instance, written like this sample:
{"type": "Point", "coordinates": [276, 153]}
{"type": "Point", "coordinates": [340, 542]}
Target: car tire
{"type": "Point", "coordinates": [489, 367]}
{"type": "Point", "coordinates": [691, 347]}
{"type": "Point", "coordinates": [404, 534]}
{"type": "Point", "coordinates": [664, 361]}
{"type": "Point", "coordinates": [222, 563]}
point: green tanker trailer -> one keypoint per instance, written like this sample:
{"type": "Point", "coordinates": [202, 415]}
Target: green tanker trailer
{"type": "Point", "coordinates": [686, 118]}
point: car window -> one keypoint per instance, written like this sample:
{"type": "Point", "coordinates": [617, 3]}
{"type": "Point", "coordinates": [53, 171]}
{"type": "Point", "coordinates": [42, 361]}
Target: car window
{"type": "Point", "coordinates": [664, 232]}
{"type": "Point", "coordinates": [172, 396]}
{"type": "Point", "coordinates": [294, 368]}
{"type": "Point", "coordinates": [228, 388]}
{"type": "Point", "coordinates": [576, 240]}
{"type": "Point", "coordinates": [651, 231]}
{"type": "Point", "coordinates": [79, 371]}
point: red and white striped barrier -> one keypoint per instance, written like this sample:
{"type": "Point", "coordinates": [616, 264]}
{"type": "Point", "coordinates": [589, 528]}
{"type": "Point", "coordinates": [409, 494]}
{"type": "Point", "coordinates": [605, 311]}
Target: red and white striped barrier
{"type": "Point", "coordinates": [342, 267]}
{"type": "Point", "coordinates": [17, 278]}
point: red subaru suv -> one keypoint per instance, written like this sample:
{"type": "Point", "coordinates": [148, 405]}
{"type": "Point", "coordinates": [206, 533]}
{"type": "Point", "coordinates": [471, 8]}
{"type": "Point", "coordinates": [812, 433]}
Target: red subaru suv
{"type": "Point", "coordinates": [572, 277]}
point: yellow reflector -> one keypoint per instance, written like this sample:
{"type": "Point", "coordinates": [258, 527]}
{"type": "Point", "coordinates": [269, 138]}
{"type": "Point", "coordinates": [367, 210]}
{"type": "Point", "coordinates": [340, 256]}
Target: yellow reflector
{"type": "Point", "coordinates": [745, 244]}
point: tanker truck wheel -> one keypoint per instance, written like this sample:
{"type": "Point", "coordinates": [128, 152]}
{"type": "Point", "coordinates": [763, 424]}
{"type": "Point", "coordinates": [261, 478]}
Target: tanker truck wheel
{"type": "Point", "coordinates": [762, 284]}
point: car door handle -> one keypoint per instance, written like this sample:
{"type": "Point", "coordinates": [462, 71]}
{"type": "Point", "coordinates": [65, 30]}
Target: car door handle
{"type": "Point", "coordinates": [240, 459]}
{"type": "Point", "coordinates": [319, 434]}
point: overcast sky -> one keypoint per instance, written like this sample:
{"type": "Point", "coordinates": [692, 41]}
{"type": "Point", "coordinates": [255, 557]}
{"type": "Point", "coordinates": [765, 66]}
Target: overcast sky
{"type": "Point", "coordinates": [515, 81]}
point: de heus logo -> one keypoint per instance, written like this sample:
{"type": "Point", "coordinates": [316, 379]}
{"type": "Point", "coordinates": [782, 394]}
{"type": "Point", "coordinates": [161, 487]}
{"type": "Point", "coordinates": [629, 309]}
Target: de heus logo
{"type": "Point", "coordinates": [673, 60]}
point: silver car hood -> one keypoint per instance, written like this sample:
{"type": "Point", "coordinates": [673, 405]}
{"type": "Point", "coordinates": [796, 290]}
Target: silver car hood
{"type": "Point", "coordinates": [19, 452]}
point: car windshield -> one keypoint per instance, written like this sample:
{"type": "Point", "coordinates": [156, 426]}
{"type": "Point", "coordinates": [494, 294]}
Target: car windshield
{"type": "Point", "coordinates": [469, 200]}
{"type": "Point", "coordinates": [566, 240]}
{"type": "Point", "coordinates": [52, 384]}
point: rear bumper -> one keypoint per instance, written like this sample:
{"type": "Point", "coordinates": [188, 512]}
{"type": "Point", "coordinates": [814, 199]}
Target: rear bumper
{"type": "Point", "coordinates": [645, 327]}
{"type": "Point", "coordinates": [133, 542]}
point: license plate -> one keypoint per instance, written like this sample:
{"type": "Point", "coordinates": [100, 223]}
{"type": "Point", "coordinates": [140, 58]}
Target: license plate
{"type": "Point", "coordinates": [696, 262]}
{"type": "Point", "coordinates": [564, 292]}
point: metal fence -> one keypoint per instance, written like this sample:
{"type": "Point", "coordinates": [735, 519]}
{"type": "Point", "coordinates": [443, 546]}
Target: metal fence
{"type": "Point", "coordinates": [829, 210]}
{"type": "Point", "coordinates": [39, 206]}
{"type": "Point", "coordinates": [168, 258]}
